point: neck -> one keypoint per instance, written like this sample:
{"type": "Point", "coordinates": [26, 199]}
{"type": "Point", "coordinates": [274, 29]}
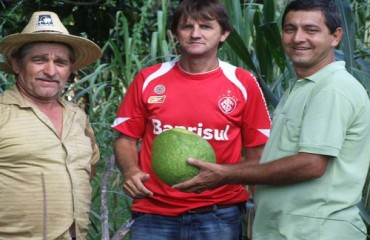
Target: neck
{"type": "Point", "coordinates": [302, 71]}
{"type": "Point", "coordinates": [198, 65]}
{"type": "Point", "coordinates": [52, 108]}
{"type": "Point", "coordinates": [43, 103]}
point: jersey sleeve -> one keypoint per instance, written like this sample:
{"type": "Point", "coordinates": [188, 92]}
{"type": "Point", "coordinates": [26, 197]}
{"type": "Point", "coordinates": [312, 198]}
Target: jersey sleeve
{"type": "Point", "coordinates": [131, 117]}
{"type": "Point", "coordinates": [256, 118]}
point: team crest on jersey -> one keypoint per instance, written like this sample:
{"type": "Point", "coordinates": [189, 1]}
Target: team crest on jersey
{"type": "Point", "coordinates": [159, 89]}
{"type": "Point", "coordinates": [156, 99]}
{"type": "Point", "coordinates": [227, 104]}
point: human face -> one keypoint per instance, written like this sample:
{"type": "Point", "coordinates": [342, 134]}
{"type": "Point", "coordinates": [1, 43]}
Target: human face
{"type": "Point", "coordinates": [307, 41]}
{"type": "Point", "coordinates": [200, 38]}
{"type": "Point", "coordinates": [43, 71]}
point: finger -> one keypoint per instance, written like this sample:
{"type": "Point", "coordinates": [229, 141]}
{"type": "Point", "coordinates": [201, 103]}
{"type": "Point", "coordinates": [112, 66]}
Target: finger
{"type": "Point", "coordinates": [184, 185]}
{"type": "Point", "coordinates": [198, 163]}
{"type": "Point", "coordinates": [187, 186]}
{"type": "Point", "coordinates": [135, 188]}
{"type": "Point", "coordinates": [194, 162]}
{"type": "Point", "coordinates": [127, 190]}
{"type": "Point", "coordinates": [142, 191]}
{"type": "Point", "coordinates": [137, 192]}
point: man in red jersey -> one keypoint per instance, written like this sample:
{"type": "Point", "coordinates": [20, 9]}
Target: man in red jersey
{"type": "Point", "coordinates": [218, 101]}
{"type": "Point", "coordinates": [314, 166]}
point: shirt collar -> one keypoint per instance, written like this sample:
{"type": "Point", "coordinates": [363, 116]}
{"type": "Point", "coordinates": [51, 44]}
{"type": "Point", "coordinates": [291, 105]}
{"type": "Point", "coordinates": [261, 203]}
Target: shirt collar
{"type": "Point", "coordinates": [13, 96]}
{"type": "Point", "coordinates": [327, 70]}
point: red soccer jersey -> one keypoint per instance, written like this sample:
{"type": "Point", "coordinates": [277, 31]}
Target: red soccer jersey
{"type": "Point", "coordinates": [224, 106]}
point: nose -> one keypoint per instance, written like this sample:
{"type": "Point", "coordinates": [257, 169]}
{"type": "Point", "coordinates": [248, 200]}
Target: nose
{"type": "Point", "coordinates": [50, 69]}
{"type": "Point", "coordinates": [195, 32]}
{"type": "Point", "coordinates": [299, 36]}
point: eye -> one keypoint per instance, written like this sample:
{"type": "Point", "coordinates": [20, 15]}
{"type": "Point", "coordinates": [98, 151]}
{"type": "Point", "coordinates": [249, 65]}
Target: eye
{"type": "Point", "coordinates": [289, 29]}
{"type": "Point", "coordinates": [62, 63]}
{"type": "Point", "coordinates": [205, 26]}
{"type": "Point", "coordinates": [186, 26]}
{"type": "Point", "coordinates": [312, 30]}
{"type": "Point", "coordinates": [38, 60]}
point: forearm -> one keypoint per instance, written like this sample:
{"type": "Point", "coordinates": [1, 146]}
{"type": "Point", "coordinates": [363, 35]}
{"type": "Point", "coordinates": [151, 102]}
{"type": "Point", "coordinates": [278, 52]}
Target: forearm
{"type": "Point", "coordinates": [296, 168]}
{"type": "Point", "coordinates": [127, 159]}
{"type": "Point", "coordinates": [126, 154]}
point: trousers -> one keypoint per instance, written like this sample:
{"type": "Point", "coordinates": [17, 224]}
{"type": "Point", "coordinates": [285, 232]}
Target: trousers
{"type": "Point", "coordinates": [220, 224]}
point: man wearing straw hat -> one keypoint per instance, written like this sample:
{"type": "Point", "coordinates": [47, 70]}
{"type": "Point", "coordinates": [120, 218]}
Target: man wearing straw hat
{"type": "Point", "coordinates": [47, 146]}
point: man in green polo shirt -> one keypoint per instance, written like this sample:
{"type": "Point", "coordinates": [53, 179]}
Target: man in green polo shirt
{"type": "Point", "coordinates": [314, 166]}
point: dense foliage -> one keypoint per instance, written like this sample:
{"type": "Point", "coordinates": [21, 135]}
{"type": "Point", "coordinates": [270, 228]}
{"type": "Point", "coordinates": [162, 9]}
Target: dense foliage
{"type": "Point", "coordinates": [134, 34]}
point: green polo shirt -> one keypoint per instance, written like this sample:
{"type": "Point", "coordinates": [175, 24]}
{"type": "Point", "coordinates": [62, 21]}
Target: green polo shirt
{"type": "Point", "coordinates": [44, 178]}
{"type": "Point", "coordinates": [327, 113]}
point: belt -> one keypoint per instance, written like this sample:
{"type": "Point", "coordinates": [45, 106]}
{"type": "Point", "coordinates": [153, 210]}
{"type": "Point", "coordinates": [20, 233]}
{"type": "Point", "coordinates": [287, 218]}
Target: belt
{"type": "Point", "coordinates": [211, 208]}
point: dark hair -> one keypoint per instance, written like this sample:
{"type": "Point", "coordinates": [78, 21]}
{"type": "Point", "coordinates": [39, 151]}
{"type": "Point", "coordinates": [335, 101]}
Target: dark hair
{"type": "Point", "coordinates": [327, 7]}
{"type": "Point", "coordinates": [201, 10]}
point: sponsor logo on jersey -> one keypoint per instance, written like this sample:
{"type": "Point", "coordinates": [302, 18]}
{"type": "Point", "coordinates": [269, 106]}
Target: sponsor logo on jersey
{"type": "Point", "coordinates": [206, 133]}
{"type": "Point", "coordinates": [227, 104]}
{"type": "Point", "coordinates": [156, 99]}
{"type": "Point", "coordinates": [159, 89]}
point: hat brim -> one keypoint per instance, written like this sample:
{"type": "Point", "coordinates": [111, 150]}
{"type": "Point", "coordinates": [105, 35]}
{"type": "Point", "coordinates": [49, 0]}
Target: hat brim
{"type": "Point", "coordinates": [86, 51]}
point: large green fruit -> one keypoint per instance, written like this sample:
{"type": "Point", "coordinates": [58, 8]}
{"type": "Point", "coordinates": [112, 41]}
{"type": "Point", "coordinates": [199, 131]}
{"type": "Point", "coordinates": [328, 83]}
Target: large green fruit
{"type": "Point", "coordinates": [172, 148]}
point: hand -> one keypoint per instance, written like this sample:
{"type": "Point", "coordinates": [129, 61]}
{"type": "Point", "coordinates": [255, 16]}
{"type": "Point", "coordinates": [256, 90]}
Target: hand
{"type": "Point", "coordinates": [134, 185]}
{"type": "Point", "coordinates": [209, 177]}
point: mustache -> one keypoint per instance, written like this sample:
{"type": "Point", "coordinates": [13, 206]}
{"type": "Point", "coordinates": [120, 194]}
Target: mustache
{"type": "Point", "coordinates": [50, 79]}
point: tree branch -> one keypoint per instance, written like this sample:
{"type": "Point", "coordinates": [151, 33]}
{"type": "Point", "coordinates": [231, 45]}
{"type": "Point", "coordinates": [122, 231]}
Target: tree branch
{"type": "Point", "coordinates": [124, 229]}
{"type": "Point", "coordinates": [104, 199]}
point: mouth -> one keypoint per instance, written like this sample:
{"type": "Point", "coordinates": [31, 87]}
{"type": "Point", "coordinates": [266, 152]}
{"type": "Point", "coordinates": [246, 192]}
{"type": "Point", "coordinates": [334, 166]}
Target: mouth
{"type": "Point", "coordinates": [195, 43]}
{"type": "Point", "coordinates": [301, 48]}
{"type": "Point", "coordinates": [48, 80]}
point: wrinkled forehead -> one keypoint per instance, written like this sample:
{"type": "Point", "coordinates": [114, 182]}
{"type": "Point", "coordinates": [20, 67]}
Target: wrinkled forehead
{"type": "Point", "coordinates": [42, 47]}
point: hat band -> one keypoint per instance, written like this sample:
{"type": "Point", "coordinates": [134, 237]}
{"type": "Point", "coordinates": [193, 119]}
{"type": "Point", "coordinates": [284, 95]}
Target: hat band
{"type": "Point", "coordinates": [48, 31]}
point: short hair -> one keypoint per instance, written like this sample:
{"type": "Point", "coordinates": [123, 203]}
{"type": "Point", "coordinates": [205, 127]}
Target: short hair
{"type": "Point", "coordinates": [201, 10]}
{"type": "Point", "coordinates": [327, 7]}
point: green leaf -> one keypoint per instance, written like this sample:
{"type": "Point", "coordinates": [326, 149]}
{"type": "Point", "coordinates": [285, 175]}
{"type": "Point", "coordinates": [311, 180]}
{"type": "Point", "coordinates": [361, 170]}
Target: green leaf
{"type": "Point", "coordinates": [236, 43]}
{"type": "Point", "coordinates": [269, 10]}
{"type": "Point", "coordinates": [272, 35]}
{"type": "Point", "coordinates": [348, 40]}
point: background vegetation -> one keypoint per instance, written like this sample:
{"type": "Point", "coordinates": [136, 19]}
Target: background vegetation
{"type": "Point", "coordinates": [134, 34]}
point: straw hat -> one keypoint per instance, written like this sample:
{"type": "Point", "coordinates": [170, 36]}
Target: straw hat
{"type": "Point", "coordinates": [46, 27]}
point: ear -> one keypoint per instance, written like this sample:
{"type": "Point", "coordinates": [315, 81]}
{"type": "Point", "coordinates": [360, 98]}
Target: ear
{"type": "Point", "coordinates": [337, 36]}
{"type": "Point", "coordinates": [224, 36]}
{"type": "Point", "coordinates": [15, 65]}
